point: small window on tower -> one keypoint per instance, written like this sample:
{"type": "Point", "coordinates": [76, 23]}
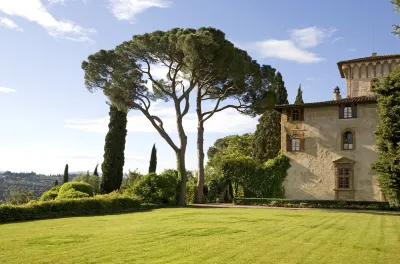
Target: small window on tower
{"type": "Point", "coordinates": [374, 83]}
{"type": "Point", "coordinates": [347, 112]}
{"type": "Point", "coordinates": [296, 115]}
{"type": "Point", "coordinates": [295, 143]}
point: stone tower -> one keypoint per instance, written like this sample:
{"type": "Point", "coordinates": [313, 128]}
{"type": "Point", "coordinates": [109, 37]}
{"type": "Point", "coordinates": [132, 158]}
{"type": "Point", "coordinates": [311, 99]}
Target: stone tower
{"type": "Point", "coordinates": [361, 73]}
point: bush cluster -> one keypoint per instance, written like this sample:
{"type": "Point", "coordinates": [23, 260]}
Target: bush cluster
{"type": "Point", "coordinates": [102, 204]}
{"type": "Point", "coordinates": [69, 190]}
{"type": "Point", "coordinates": [331, 204]}
{"type": "Point", "coordinates": [50, 194]}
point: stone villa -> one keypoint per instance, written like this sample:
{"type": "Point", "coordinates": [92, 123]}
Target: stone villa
{"type": "Point", "coordinates": [331, 144]}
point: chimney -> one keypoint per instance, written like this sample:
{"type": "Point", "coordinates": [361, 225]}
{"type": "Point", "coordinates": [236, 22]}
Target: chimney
{"type": "Point", "coordinates": [374, 54]}
{"type": "Point", "coordinates": [336, 94]}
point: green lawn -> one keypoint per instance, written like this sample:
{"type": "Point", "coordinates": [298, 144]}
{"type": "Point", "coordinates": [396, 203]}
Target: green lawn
{"type": "Point", "coordinates": [209, 235]}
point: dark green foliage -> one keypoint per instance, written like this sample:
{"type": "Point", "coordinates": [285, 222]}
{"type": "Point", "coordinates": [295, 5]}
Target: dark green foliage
{"type": "Point", "coordinates": [56, 183]}
{"type": "Point", "coordinates": [95, 170]}
{"type": "Point", "coordinates": [157, 189]}
{"type": "Point", "coordinates": [71, 207]}
{"type": "Point", "coordinates": [77, 186]}
{"type": "Point", "coordinates": [330, 204]}
{"type": "Point", "coordinates": [388, 136]}
{"type": "Point", "coordinates": [267, 137]}
{"type": "Point", "coordinates": [257, 180]}
{"type": "Point", "coordinates": [191, 187]}
{"type": "Point", "coordinates": [299, 97]}
{"type": "Point", "coordinates": [20, 196]}
{"type": "Point", "coordinates": [93, 180]}
{"type": "Point", "coordinates": [65, 179]}
{"type": "Point", "coordinates": [50, 194]}
{"type": "Point", "coordinates": [396, 28]}
{"type": "Point", "coordinates": [114, 147]}
{"type": "Point", "coordinates": [280, 90]}
{"type": "Point", "coordinates": [132, 178]}
{"type": "Point", "coordinates": [38, 183]}
{"type": "Point", "coordinates": [153, 160]}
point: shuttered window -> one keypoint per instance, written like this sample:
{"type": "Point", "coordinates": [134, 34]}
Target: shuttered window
{"type": "Point", "coordinates": [347, 111]}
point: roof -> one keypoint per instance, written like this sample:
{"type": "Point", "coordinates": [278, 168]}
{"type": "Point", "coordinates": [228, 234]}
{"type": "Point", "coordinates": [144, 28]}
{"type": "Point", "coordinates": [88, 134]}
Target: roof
{"type": "Point", "coordinates": [351, 100]}
{"type": "Point", "coordinates": [370, 58]}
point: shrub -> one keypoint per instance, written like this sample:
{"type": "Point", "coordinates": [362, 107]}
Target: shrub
{"type": "Point", "coordinates": [50, 194]}
{"type": "Point", "coordinates": [331, 204]}
{"type": "Point", "coordinates": [72, 194]}
{"type": "Point", "coordinates": [98, 205]}
{"type": "Point", "coordinates": [77, 186]}
{"type": "Point", "coordinates": [157, 189]}
{"type": "Point", "coordinates": [93, 180]}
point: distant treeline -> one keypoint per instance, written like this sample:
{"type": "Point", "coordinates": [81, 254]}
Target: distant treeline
{"type": "Point", "coordinates": [38, 183]}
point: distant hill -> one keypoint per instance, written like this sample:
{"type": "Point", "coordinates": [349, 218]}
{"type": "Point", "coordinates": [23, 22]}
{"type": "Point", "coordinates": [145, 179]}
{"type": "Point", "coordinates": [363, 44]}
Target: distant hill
{"type": "Point", "coordinates": [39, 183]}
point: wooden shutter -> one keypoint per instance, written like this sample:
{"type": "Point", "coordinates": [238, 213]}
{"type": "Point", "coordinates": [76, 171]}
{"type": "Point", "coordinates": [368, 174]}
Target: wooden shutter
{"type": "Point", "coordinates": [302, 143]}
{"type": "Point", "coordinates": [288, 143]}
{"type": "Point", "coordinates": [354, 111]}
{"type": "Point", "coordinates": [302, 114]}
{"type": "Point", "coordinates": [341, 111]}
{"type": "Point", "coordinates": [289, 115]}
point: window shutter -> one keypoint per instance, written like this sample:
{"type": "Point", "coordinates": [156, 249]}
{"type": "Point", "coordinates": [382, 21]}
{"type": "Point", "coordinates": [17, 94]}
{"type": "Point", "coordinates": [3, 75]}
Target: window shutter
{"type": "Point", "coordinates": [288, 143]}
{"type": "Point", "coordinates": [354, 111]}
{"type": "Point", "coordinates": [302, 142]}
{"type": "Point", "coordinates": [302, 114]}
{"type": "Point", "coordinates": [289, 115]}
{"type": "Point", "coordinates": [341, 111]}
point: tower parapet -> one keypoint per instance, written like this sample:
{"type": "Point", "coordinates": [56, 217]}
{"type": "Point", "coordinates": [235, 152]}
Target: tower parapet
{"type": "Point", "coordinates": [361, 73]}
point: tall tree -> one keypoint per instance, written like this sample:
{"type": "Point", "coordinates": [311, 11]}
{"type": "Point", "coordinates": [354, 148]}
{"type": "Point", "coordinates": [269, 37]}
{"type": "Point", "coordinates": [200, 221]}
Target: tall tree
{"type": "Point", "coordinates": [56, 183]}
{"type": "Point", "coordinates": [388, 135]}
{"type": "Point", "coordinates": [184, 54]}
{"type": "Point", "coordinates": [153, 160]}
{"type": "Point", "coordinates": [114, 159]}
{"type": "Point", "coordinates": [229, 74]}
{"type": "Point", "coordinates": [299, 96]}
{"type": "Point", "coordinates": [65, 173]}
{"type": "Point", "coordinates": [267, 137]}
{"type": "Point", "coordinates": [95, 170]}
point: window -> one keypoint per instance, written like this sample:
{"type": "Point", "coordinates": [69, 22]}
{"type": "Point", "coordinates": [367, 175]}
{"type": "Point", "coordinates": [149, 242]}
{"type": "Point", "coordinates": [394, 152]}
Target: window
{"type": "Point", "coordinates": [347, 112]}
{"type": "Point", "coordinates": [295, 142]}
{"type": "Point", "coordinates": [296, 115]}
{"type": "Point", "coordinates": [348, 143]}
{"type": "Point", "coordinates": [344, 176]}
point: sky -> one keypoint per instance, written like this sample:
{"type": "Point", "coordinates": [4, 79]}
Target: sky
{"type": "Point", "coordinates": [48, 118]}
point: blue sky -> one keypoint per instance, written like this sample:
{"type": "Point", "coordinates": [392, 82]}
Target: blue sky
{"type": "Point", "coordinates": [48, 118]}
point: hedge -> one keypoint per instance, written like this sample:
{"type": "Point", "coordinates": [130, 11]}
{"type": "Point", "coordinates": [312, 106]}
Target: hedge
{"type": "Point", "coordinates": [331, 204]}
{"type": "Point", "coordinates": [77, 186]}
{"type": "Point", "coordinates": [71, 207]}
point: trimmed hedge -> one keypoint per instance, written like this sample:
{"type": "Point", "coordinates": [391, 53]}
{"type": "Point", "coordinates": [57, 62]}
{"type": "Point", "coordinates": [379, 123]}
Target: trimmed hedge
{"type": "Point", "coordinates": [71, 207]}
{"type": "Point", "coordinates": [77, 186]}
{"type": "Point", "coordinates": [331, 204]}
{"type": "Point", "coordinates": [50, 194]}
{"type": "Point", "coordinates": [72, 194]}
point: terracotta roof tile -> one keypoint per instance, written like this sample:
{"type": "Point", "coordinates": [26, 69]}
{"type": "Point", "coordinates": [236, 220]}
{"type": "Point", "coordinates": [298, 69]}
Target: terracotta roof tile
{"type": "Point", "coordinates": [359, 100]}
{"type": "Point", "coordinates": [370, 58]}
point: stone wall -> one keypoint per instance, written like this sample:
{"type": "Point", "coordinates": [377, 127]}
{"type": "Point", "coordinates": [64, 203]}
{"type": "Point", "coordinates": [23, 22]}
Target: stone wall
{"type": "Point", "coordinates": [359, 75]}
{"type": "Point", "coordinates": [312, 175]}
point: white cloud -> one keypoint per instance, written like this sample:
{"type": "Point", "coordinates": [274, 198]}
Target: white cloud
{"type": "Point", "coordinates": [286, 50]}
{"type": "Point", "coordinates": [128, 9]}
{"type": "Point", "coordinates": [337, 39]}
{"type": "Point", "coordinates": [7, 90]}
{"type": "Point", "coordinates": [53, 2]}
{"type": "Point", "coordinates": [310, 79]}
{"type": "Point", "coordinates": [8, 23]}
{"type": "Point", "coordinates": [310, 37]}
{"type": "Point", "coordinates": [35, 11]}
{"type": "Point", "coordinates": [227, 121]}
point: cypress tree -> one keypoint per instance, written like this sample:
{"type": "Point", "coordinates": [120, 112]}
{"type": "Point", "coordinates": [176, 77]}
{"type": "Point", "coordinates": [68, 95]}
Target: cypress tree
{"type": "Point", "coordinates": [56, 183]}
{"type": "Point", "coordinates": [153, 160]}
{"type": "Point", "coordinates": [267, 137]}
{"type": "Point", "coordinates": [66, 173]}
{"type": "Point", "coordinates": [388, 136]}
{"type": "Point", "coordinates": [95, 170]}
{"type": "Point", "coordinates": [299, 96]}
{"type": "Point", "coordinates": [280, 90]}
{"type": "Point", "coordinates": [113, 163]}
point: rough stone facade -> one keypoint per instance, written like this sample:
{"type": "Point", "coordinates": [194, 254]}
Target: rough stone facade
{"type": "Point", "coordinates": [320, 161]}
{"type": "Point", "coordinates": [312, 175]}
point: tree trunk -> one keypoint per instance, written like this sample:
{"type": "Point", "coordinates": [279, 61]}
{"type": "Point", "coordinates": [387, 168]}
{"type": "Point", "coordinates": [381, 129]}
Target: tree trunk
{"type": "Point", "coordinates": [180, 158]}
{"type": "Point", "coordinates": [200, 151]}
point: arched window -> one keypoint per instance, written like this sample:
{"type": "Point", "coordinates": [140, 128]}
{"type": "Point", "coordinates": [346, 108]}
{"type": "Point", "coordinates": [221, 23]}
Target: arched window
{"type": "Point", "coordinates": [374, 82]}
{"type": "Point", "coordinates": [296, 115]}
{"type": "Point", "coordinates": [347, 112]}
{"type": "Point", "coordinates": [295, 142]}
{"type": "Point", "coordinates": [348, 140]}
